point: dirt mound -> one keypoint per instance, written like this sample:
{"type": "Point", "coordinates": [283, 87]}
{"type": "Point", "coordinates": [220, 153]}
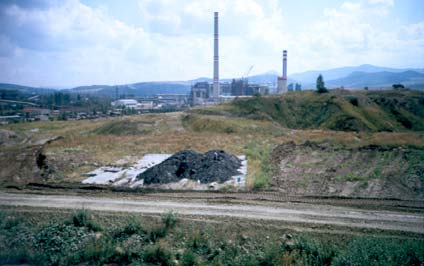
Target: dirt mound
{"type": "Point", "coordinates": [6, 136]}
{"type": "Point", "coordinates": [213, 166]}
{"type": "Point", "coordinates": [23, 165]}
{"type": "Point", "coordinates": [368, 172]}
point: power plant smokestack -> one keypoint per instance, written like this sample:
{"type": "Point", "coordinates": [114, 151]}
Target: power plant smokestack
{"type": "Point", "coordinates": [282, 81]}
{"type": "Point", "coordinates": [285, 64]}
{"type": "Point", "coordinates": [216, 58]}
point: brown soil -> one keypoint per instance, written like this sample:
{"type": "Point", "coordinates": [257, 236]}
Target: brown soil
{"type": "Point", "coordinates": [367, 172]}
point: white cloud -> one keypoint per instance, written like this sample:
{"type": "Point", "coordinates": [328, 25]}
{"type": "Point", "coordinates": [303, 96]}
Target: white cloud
{"type": "Point", "coordinates": [355, 34]}
{"type": "Point", "coordinates": [72, 44]}
{"type": "Point", "coordinates": [382, 2]}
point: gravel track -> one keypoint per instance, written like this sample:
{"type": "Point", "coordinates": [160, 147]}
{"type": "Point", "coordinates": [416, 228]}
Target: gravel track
{"type": "Point", "coordinates": [305, 213]}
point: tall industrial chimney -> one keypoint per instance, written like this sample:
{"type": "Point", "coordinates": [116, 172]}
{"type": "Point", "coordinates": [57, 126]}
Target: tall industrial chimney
{"type": "Point", "coordinates": [282, 81]}
{"type": "Point", "coordinates": [285, 64]}
{"type": "Point", "coordinates": [216, 59]}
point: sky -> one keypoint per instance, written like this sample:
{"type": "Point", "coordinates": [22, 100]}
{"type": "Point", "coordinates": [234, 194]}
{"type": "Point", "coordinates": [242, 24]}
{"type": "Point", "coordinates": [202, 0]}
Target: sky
{"type": "Point", "coordinates": [66, 43]}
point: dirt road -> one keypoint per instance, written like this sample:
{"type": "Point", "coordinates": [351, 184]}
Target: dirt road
{"type": "Point", "coordinates": [286, 212]}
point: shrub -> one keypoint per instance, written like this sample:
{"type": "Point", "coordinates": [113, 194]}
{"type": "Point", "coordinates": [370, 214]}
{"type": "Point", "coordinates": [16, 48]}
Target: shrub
{"type": "Point", "coordinates": [83, 218]}
{"type": "Point", "coordinates": [189, 259]}
{"type": "Point", "coordinates": [56, 240]}
{"type": "Point", "coordinates": [261, 181]}
{"type": "Point", "coordinates": [314, 253]}
{"type": "Point", "coordinates": [10, 222]}
{"type": "Point", "coordinates": [158, 255]}
{"type": "Point", "coordinates": [133, 225]}
{"type": "Point", "coordinates": [95, 251]}
{"type": "Point", "coordinates": [157, 233]}
{"type": "Point", "coordinates": [169, 219]}
{"type": "Point", "coordinates": [354, 101]}
{"type": "Point", "coordinates": [199, 243]}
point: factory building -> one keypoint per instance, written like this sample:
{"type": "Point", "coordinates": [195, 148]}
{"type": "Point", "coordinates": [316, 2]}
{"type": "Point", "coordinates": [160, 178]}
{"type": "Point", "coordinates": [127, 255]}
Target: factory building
{"type": "Point", "coordinates": [225, 88]}
{"type": "Point", "coordinates": [298, 87]}
{"type": "Point", "coordinates": [125, 103]}
{"type": "Point", "coordinates": [200, 93]}
{"type": "Point", "coordinates": [294, 87]}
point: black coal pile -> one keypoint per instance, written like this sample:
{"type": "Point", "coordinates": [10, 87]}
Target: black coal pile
{"type": "Point", "coordinates": [213, 166]}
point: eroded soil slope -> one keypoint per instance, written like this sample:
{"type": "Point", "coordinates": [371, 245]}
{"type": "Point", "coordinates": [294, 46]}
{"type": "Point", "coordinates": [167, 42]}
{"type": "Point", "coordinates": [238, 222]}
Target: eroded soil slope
{"type": "Point", "coordinates": [331, 170]}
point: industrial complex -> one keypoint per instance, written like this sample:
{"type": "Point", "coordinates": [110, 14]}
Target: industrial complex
{"type": "Point", "coordinates": [215, 91]}
{"type": "Point", "coordinates": [205, 93]}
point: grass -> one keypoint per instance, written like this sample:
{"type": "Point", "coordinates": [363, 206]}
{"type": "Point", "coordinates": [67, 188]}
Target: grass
{"type": "Point", "coordinates": [50, 239]}
{"type": "Point", "coordinates": [374, 111]}
{"type": "Point", "coordinates": [260, 169]}
{"type": "Point", "coordinates": [123, 127]}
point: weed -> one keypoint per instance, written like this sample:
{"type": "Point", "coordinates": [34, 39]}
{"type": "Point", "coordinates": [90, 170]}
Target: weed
{"type": "Point", "coordinates": [169, 219]}
{"type": "Point", "coordinates": [199, 243]}
{"type": "Point", "coordinates": [132, 226]}
{"type": "Point", "coordinates": [261, 154]}
{"type": "Point", "coordinates": [189, 259]}
{"type": "Point", "coordinates": [158, 255]}
{"type": "Point", "coordinates": [83, 218]}
{"type": "Point", "coordinates": [10, 222]}
{"type": "Point", "coordinates": [354, 177]}
{"type": "Point", "coordinates": [369, 251]}
{"type": "Point", "coordinates": [156, 233]}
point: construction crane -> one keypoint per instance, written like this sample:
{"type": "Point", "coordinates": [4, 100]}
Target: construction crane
{"type": "Point", "coordinates": [247, 74]}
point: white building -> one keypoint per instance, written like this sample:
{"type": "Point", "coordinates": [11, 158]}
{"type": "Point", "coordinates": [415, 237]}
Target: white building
{"type": "Point", "coordinates": [127, 103]}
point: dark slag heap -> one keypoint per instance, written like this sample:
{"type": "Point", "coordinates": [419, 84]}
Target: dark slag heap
{"type": "Point", "coordinates": [213, 166]}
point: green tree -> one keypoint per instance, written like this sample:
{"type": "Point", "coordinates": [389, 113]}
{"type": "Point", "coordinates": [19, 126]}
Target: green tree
{"type": "Point", "coordinates": [320, 84]}
{"type": "Point", "coordinates": [398, 86]}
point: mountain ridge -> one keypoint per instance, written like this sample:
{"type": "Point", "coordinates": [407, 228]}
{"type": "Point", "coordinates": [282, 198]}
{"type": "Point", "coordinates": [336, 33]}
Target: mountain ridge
{"type": "Point", "coordinates": [361, 76]}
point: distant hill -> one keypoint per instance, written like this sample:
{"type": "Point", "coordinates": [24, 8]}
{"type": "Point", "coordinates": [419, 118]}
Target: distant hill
{"type": "Point", "coordinates": [337, 73]}
{"type": "Point", "coordinates": [349, 77]}
{"type": "Point", "coordinates": [342, 110]}
{"type": "Point", "coordinates": [136, 89]}
{"type": "Point", "coordinates": [25, 89]}
{"type": "Point", "coordinates": [410, 79]}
